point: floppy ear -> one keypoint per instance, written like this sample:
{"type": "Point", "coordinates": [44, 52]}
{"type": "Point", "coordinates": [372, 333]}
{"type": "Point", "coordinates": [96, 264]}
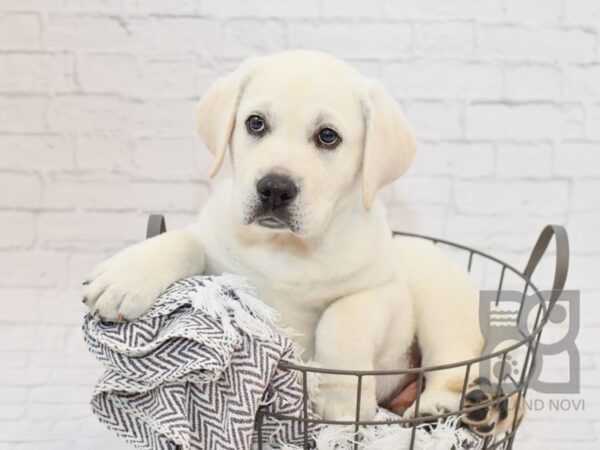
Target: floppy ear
{"type": "Point", "coordinates": [216, 111]}
{"type": "Point", "coordinates": [389, 143]}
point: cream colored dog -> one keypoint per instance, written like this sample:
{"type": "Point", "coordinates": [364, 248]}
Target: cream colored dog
{"type": "Point", "coordinates": [311, 142]}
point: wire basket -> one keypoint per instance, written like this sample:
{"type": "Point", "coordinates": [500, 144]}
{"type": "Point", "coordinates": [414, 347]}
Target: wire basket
{"type": "Point", "coordinates": [508, 386]}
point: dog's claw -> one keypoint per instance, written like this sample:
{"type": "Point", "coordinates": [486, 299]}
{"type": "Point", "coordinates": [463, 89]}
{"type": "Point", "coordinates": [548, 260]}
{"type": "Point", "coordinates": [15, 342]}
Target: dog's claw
{"type": "Point", "coordinates": [86, 282]}
{"type": "Point", "coordinates": [96, 312]}
{"type": "Point", "coordinates": [120, 318]}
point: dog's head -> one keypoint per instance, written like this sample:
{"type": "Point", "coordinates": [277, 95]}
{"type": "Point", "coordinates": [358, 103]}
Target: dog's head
{"type": "Point", "coordinates": [305, 133]}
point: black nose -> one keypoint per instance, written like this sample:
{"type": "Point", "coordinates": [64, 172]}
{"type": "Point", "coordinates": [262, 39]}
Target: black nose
{"type": "Point", "coordinates": [276, 191]}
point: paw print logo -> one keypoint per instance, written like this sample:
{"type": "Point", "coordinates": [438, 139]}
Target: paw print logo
{"type": "Point", "coordinates": [511, 368]}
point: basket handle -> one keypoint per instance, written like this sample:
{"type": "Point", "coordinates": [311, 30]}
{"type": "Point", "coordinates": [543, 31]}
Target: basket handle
{"type": "Point", "coordinates": [156, 225]}
{"type": "Point", "coordinates": [562, 259]}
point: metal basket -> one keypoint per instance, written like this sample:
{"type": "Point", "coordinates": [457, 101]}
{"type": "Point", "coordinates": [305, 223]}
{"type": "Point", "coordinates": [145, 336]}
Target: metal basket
{"type": "Point", "coordinates": [509, 385]}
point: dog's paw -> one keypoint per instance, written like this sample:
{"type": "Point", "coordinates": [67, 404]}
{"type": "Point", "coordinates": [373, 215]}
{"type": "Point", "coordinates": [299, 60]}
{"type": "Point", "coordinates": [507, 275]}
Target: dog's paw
{"type": "Point", "coordinates": [433, 402]}
{"type": "Point", "coordinates": [125, 286]}
{"type": "Point", "coordinates": [337, 400]}
{"type": "Point", "coordinates": [497, 412]}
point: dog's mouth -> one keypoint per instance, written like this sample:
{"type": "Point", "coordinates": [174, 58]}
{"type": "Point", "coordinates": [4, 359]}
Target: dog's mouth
{"type": "Point", "coordinates": [276, 219]}
{"type": "Point", "coordinates": [272, 222]}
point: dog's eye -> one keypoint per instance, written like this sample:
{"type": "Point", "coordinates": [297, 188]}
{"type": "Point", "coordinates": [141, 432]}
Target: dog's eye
{"type": "Point", "coordinates": [328, 138]}
{"type": "Point", "coordinates": [256, 125]}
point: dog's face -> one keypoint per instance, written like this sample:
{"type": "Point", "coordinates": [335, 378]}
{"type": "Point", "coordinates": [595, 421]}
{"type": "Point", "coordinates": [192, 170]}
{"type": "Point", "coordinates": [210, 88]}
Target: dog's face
{"type": "Point", "coordinates": [296, 146]}
{"type": "Point", "coordinates": [300, 128]}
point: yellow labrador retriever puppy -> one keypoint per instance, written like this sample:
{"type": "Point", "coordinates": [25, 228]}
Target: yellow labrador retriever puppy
{"type": "Point", "coordinates": [311, 142]}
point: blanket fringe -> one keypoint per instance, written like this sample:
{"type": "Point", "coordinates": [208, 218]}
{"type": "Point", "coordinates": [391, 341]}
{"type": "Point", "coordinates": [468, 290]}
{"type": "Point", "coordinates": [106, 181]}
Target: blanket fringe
{"type": "Point", "coordinates": [443, 435]}
{"type": "Point", "coordinates": [232, 298]}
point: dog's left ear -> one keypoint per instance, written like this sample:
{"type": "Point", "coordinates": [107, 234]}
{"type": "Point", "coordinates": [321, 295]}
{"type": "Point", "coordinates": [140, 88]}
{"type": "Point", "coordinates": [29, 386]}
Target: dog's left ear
{"type": "Point", "coordinates": [216, 111]}
{"type": "Point", "coordinates": [389, 142]}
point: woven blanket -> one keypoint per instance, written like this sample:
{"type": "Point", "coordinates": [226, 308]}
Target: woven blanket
{"type": "Point", "coordinates": [194, 371]}
{"type": "Point", "coordinates": [200, 367]}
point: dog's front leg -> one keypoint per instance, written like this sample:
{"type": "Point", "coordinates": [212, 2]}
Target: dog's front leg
{"type": "Point", "coordinates": [126, 285]}
{"type": "Point", "coordinates": [349, 336]}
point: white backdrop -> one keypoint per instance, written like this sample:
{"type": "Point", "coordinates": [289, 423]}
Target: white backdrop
{"type": "Point", "coordinates": [96, 131]}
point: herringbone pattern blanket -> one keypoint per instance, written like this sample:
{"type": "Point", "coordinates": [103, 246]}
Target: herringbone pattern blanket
{"type": "Point", "coordinates": [194, 371]}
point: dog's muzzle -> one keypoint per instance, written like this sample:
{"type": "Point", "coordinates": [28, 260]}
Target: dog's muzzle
{"type": "Point", "coordinates": [275, 192]}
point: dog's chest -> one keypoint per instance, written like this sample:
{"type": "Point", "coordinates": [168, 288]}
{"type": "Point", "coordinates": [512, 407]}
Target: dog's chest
{"type": "Point", "coordinates": [297, 289]}
{"type": "Point", "coordinates": [308, 284]}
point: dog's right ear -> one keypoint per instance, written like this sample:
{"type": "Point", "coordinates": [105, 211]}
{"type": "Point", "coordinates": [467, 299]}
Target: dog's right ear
{"type": "Point", "coordinates": [216, 111]}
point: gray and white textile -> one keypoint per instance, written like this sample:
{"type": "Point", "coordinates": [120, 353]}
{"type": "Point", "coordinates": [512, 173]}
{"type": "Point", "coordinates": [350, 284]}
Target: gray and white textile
{"type": "Point", "coordinates": [194, 371]}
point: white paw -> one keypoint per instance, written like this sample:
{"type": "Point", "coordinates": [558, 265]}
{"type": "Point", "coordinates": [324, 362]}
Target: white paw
{"type": "Point", "coordinates": [124, 286]}
{"type": "Point", "coordinates": [434, 402]}
{"type": "Point", "coordinates": [337, 401]}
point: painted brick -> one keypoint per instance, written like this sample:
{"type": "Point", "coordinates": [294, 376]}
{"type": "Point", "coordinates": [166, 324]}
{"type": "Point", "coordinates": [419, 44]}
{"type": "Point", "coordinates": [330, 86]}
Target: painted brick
{"type": "Point", "coordinates": [41, 152]}
{"type": "Point", "coordinates": [593, 121]}
{"type": "Point", "coordinates": [246, 38]}
{"type": "Point", "coordinates": [171, 158]}
{"type": "Point", "coordinates": [183, 7]}
{"type": "Point", "coordinates": [459, 9]}
{"type": "Point", "coordinates": [577, 159]}
{"type": "Point", "coordinates": [174, 35]}
{"type": "Point", "coordinates": [533, 82]}
{"type": "Point", "coordinates": [519, 197]}
{"type": "Point", "coordinates": [29, 337]}
{"type": "Point", "coordinates": [30, 5]}
{"type": "Point", "coordinates": [108, 73]}
{"type": "Point", "coordinates": [444, 39]}
{"type": "Point", "coordinates": [167, 77]}
{"type": "Point", "coordinates": [88, 231]}
{"type": "Point", "coordinates": [434, 119]}
{"type": "Point", "coordinates": [37, 72]}
{"type": "Point", "coordinates": [22, 114]}
{"type": "Point", "coordinates": [367, 40]}
{"type": "Point", "coordinates": [260, 8]}
{"type": "Point", "coordinates": [19, 306]}
{"type": "Point", "coordinates": [20, 191]}
{"type": "Point", "coordinates": [121, 195]}
{"type": "Point", "coordinates": [586, 195]}
{"type": "Point", "coordinates": [450, 158]}
{"type": "Point", "coordinates": [87, 6]}
{"type": "Point", "coordinates": [88, 113]}
{"type": "Point", "coordinates": [423, 79]}
{"type": "Point", "coordinates": [584, 233]}
{"type": "Point", "coordinates": [352, 8]}
{"type": "Point", "coordinates": [527, 160]}
{"type": "Point", "coordinates": [24, 225]}
{"type": "Point", "coordinates": [95, 33]}
{"type": "Point", "coordinates": [579, 11]}
{"type": "Point", "coordinates": [521, 121]}
{"type": "Point", "coordinates": [31, 268]}
{"type": "Point", "coordinates": [165, 118]}
{"type": "Point", "coordinates": [104, 151]}
{"type": "Point", "coordinates": [20, 31]}
{"type": "Point", "coordinates": [546, 44]}
{"type": "Point", "coordinates": [534, 10]}
{"type": "Point", "coordinates": [582, 82]}
{"type": "Point", "coordinates": [421, 191]}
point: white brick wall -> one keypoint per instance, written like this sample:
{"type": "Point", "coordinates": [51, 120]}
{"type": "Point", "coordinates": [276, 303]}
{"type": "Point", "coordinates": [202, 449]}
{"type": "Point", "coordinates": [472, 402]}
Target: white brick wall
{"type": "Point", "coordinates": [96, 131]}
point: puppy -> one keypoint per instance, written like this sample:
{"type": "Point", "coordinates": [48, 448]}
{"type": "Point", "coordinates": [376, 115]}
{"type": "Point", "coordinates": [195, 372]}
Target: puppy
{"type": "Point", "coordinates": [311, 142]}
